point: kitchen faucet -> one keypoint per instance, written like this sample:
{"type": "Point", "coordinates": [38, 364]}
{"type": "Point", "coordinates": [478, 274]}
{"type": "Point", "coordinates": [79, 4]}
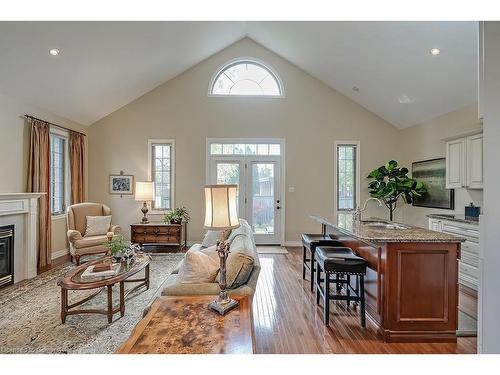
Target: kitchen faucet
{"type": "Point", "coordinates": [358, 211]}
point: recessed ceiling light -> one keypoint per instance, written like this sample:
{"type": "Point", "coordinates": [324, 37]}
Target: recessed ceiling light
{"type": "Point", "coordinates": [435, 51]}
{"type": "Point", "coordinates": [54, 51]}
{"type": "Point", "coordinates": [355, 88]}
{"type": "Point", "coordinates": [405, 99]}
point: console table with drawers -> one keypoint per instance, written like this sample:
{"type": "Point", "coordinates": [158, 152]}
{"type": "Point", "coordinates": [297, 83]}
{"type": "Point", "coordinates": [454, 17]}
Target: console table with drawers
{"type": "Point", "coordinates": [157, 233]}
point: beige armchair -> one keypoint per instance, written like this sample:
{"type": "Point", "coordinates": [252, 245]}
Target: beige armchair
{"type": "Point", "coordinates": [77, 224]}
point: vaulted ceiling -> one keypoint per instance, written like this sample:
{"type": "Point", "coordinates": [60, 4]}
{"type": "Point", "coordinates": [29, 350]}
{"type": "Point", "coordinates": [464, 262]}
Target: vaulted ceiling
{"type": "Point", "coordinates": [105, 65]}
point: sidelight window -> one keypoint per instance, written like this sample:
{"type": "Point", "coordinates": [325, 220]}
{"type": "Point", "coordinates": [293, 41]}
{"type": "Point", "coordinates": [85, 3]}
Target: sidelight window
{"type": "Point", "coordinates": [346, 176]}
{"type": "Point", "coordinates": [161, 169]}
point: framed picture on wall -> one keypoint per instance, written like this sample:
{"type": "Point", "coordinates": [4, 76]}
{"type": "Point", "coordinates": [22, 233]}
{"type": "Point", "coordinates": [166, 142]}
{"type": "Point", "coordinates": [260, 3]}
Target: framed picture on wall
{"type": "Point", "coordinates": [433, 174]}
{"type": "Point", "coordinates": [121, 184]}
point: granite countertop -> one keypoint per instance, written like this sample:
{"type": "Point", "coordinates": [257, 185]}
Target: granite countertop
{"type": "Point", "coordinates": [457, 218]}
{"type": "Point", "coordinates": [362, 231]}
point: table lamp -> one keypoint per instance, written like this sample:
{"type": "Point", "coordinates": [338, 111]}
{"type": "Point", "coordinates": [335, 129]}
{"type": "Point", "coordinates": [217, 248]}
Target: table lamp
{"type": "Point", "coordinates": [221, 214]}
{"type": "Point", "coordinates": [144, 192]}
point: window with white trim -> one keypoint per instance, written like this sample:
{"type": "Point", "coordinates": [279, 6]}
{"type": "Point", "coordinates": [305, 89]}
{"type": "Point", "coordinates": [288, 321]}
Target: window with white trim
{"type": "Point", "coordinates": [59, 193]}
{"type": "Point", "coordinates": [246, 77]}
{"type": "Point", "coordinates": [161, 155]}
{"type": "Point", "coordinates": [347, 176]}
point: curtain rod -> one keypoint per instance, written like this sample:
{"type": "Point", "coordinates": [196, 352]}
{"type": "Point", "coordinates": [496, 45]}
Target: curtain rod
{"type": "Point", "coordinates": [51, 123]}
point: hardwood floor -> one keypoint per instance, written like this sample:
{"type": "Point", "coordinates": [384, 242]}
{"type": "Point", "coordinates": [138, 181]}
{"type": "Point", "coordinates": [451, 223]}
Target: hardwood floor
{"type": "Point", "coordinates": [287, 320]}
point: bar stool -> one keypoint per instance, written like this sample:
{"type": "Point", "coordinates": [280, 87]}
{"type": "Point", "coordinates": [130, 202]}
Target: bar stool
{"type": "Point", "coordinates": [340, 261]}
{"type": "Point", "coordinates": [309, 243]}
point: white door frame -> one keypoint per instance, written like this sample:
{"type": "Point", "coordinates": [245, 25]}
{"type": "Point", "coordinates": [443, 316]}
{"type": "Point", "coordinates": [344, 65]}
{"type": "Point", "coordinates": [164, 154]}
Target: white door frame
{"type": "Point", "coordinates": [281, 142]}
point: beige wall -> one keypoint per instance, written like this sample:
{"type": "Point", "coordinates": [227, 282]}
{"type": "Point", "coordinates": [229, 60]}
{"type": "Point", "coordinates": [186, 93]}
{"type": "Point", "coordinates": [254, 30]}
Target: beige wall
{"type": "Point", "coordinates": [311, 118]}
{"type": "Point", "coordinates": [14, 146]}
{"type": "Point", "coordinates": [424, 141]}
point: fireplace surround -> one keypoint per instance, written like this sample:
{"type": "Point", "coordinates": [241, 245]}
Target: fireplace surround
{"type": "Point", "coordinates": [6, 255]}
{"type": "Point", "coordinates": [21, 211]}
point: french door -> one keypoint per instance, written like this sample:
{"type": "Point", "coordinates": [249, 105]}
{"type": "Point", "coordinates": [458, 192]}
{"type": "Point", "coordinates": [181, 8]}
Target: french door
{"type": "Point", "coordinates": [259, 188]}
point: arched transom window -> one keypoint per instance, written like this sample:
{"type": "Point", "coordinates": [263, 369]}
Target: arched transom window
{"type": "Point", "coordinates": [246, 77]}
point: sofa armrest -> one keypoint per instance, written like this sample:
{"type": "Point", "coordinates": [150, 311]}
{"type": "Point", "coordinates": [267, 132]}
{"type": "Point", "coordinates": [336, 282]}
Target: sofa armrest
{"type": "Point", "coordinates": [116, 229]}
{"type": "Point", "coordinates": [74, 235]}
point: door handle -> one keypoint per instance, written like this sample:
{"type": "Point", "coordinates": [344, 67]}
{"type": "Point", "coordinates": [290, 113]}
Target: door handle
{"type": "Point", "coordinates": [278, 201]}
{"type": "Point", "coordinates": [278, 207]}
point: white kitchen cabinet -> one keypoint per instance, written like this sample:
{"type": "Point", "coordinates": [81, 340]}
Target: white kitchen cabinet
{"type": "Point", "coordinates": [468, 266]}
{"type": "Point", "coordinates": [474, 148]}
{"type": "Point", "coordinates": [455, 164]}
{"type": "Point", "coordinates": [464, 162]}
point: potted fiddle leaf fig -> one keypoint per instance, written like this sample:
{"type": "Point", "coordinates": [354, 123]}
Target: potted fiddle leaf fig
{"type": "Point", "coordinates": [391, 182]}
{"type": "Point", "coordinates": [177, 216]}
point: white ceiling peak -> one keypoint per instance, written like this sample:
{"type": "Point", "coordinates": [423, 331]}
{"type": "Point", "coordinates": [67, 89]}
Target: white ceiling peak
{"type": "Point", "coordinates": [105, 65]}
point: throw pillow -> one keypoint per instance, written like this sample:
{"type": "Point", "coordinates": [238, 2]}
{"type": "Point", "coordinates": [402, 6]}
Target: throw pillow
{"type": "Point", "coordinates": [97, 225]}
{"type": "Point", "coordinates": [197, 267]}
{"type": "Point", "coordinates": [212, 253]}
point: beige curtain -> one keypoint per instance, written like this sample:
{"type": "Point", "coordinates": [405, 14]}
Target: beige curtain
{"type": "Point", "coordinates": [39, 182]}
{"type": "Point", "coordinates": [77, 165]}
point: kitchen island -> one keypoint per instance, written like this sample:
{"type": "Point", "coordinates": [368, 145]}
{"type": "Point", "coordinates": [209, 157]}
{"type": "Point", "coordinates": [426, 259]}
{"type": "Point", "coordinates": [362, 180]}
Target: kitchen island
{"type": "Point", "coordinates": [411, 285]}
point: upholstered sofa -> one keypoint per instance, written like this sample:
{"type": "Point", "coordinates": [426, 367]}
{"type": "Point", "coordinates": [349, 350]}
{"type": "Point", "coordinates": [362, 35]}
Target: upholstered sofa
{"type": "Point", "coordinates": [243, 253]}
{"type": "Point", "coordinates": [77, 224]}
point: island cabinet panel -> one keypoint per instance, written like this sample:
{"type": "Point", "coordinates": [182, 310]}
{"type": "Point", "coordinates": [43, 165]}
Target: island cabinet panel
{"type": "Point", "coordinates": [422, 288]}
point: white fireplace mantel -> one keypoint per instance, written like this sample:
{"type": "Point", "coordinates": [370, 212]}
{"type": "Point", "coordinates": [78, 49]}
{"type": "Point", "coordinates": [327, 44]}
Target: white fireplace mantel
{"type": "Point", "coordinates": [25, 204]}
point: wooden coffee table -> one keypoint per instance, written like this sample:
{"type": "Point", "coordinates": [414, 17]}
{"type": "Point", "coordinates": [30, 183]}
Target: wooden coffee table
{"type": "Point", "coordinates": [73, 280]}
{"type": "Point", "coordinates": [185, 325]}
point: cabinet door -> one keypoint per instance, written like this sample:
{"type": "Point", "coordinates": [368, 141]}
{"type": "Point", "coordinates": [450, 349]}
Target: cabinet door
{"type": "Point", "coordinates": [475, 161]}
{"type": "Point", "coordinates": [455, 163]}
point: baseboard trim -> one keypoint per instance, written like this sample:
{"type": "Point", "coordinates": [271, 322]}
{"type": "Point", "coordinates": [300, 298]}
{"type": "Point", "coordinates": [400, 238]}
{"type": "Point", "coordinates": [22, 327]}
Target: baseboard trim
{"type": "Point", "coordinates": [59, 253]}
{"type": "Point", "coordinates": [293, 243]}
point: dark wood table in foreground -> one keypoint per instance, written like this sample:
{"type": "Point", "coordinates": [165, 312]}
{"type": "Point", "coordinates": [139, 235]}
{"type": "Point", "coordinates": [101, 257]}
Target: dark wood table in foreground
{"type": "Point", "coordinates": [185, 325]}
{"type": "Point", "coordinates": [73, 280]}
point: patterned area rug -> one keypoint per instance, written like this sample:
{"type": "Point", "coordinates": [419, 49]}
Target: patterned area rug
{"type": "Point", "coordinates": [30, 314]}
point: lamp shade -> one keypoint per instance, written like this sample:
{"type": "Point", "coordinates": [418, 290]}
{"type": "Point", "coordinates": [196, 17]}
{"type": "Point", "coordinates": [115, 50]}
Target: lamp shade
{"type": "Point", "coordinates": [220, 207]}
{"type": "Point", "coordinates": [144, 191]}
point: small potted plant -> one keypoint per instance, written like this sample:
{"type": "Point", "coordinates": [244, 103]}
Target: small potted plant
{"type": "Point", "coordinates": [120, 249]}
{"type": "Point", "coordinates": [177, 216]}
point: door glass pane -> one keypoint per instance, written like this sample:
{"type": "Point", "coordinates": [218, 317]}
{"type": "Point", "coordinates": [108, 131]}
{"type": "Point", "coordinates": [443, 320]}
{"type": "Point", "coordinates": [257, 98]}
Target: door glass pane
{"type": "Point", "coordinates": [239, 149]}
{"type": "Point", "coordinates": [274, 149]}
{"type": "Point", "coordinates": [263, 149]}
{"type": "Point", "coordinates": [229, 173]}
{"type": "Point", "coordinates": [216, 149]}
{"type": "Point", "coordinates": [228, 149]}
{"type": "Point", "coordinates": [263, 198]}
